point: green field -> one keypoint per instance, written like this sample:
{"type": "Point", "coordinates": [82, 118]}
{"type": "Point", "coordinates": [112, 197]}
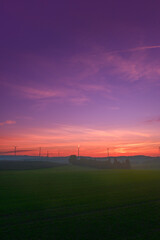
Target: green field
{"type": "Point", "coordinates": [79, 203]}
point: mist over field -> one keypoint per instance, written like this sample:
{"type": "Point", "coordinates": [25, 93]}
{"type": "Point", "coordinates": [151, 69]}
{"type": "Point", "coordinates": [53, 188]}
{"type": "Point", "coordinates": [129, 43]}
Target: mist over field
{"type": "Point", "coordinates": [137, 162]}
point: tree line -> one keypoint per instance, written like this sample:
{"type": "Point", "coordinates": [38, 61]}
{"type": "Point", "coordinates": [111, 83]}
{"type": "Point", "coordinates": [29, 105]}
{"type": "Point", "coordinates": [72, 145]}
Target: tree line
{"type": "Point", "coordinates": [83, 161]}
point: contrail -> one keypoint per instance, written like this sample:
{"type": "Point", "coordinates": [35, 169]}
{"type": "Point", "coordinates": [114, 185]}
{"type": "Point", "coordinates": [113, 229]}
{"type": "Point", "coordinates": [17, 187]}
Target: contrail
{"type": "Point", "coordinates": [136, 49]}
{"type": "Point", "coordinates": [143, 48]}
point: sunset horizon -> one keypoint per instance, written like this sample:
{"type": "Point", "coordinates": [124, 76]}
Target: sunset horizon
{"type": "Point", "coordinates": [80, 73]}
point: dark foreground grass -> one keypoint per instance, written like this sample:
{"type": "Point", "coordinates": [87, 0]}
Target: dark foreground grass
{"type": "Point", "coordinates": [26, 165]}
{"type": "Point", "coordinates": [81, 204]}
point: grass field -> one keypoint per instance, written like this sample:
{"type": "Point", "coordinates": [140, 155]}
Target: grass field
{"type": "Point", "coordinates": [79, 203]}
{"type": "Point", "coordinates": [26, 165]}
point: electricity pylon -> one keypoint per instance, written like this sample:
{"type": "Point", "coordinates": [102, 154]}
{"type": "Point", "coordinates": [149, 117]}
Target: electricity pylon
{"type": "Point", "coordinates": [78, 151]}
{"type": "Point", "coordinates": [15, 150]}
{"type": "Point", "coordinates": [108, 153]}
{"type": "Point", "coordinates": [39, 151]}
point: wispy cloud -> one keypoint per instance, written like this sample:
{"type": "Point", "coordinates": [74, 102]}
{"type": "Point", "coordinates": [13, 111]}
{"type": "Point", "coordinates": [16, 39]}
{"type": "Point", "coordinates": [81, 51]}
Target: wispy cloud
{"type": "Point", "coordinates": [145, 147]}
{"type": "Point", "coordinates": [79, 100]}
{"type": "Point", "coordinates": [131, 68]}
{"type": "Point", "coordinates": [41, 92]}
{"type": "Point", "coordinates": [91, 72]}
{"type": "Point", "coordinates": [76, 93]}
{"type": "Point", "coordinates": [130, 65]}
{"type": "Point", "coordinates": [8, 122]}
{"type": "Point", "coordinates": [76, 133]}
{"type": "Point", "coordinates": [34, 93]}
{"type": "Point", "coordinates": [153, 120]}
{"type": "Point", "coordinates": [91, 87]}
{"type": "Point", "coordinates": [137, 65]}
{"type": "Point", "coordinates": [115, 108]}
{"type": "Point", "coordinates": [24, 117]}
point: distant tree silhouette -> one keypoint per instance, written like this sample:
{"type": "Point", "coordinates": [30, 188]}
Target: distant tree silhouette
{"type": "Point", "coordinates": [83, 161]}
{"type": "Point", "coordinates": [127, 164]}
{"type": "Point", "coordinates": [115, 163]}
{"type": "Point", "coordinates": [73, 159]}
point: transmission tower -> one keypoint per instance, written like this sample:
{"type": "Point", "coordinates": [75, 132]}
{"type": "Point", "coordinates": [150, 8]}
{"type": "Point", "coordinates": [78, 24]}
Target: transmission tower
{"type": "Point", "coordinates": [39, 151]}
{"type": "Point", "coordinates": [108, 153]}
{"type": "Point", "coordinates": [78, 151]}
{"type": "Point", "coordinates": [15, 150]}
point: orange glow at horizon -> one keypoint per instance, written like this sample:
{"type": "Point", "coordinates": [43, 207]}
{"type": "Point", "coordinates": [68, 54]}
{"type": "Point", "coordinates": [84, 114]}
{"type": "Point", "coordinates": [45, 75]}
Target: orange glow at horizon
{"type": "Point", "coordinates": [94, 142]}
{"type": "Point", "coordinates": [90, 149]}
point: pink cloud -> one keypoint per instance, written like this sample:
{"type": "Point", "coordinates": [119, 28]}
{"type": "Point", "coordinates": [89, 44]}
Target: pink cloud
{"type": "Point", "coordinates": [153, 120]}
{"type": "Point", "coordinates": [79, 100]}
{"type": "Point", "coordinates": [77, 93]}
{"type": "Point", "coordinates": [131, 67]}
{"type": "Point", "coordinates": [8, 122]}
{"type": "Point", "coordinates": [34, 93]}
{"type": "Point", "coordinates": [94, 87]}
{"type": "Point", "coordinates": [82, 74]}
{"type": "Point", "coordinates": [131, 63]}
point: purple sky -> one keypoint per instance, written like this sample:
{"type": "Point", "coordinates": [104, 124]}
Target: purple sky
{"type": "Point", "coordinates": [80, 72]}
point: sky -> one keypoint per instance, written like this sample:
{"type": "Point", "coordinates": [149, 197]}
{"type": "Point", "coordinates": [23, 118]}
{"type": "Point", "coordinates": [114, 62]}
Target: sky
{"type": "Point", "coordinates": [81, 73]}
